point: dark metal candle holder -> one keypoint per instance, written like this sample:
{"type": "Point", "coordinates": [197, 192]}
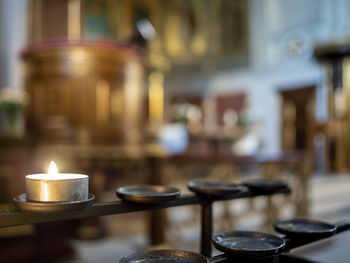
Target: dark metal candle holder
{"type": "Point", "coordinates": [265, 185]}
{"type": "Point", "coordinates": [165, 256]}
{"type": "Point", "coordinates": [283, 258]}
{"type": "Point", "coordinates": [304, 228]}
{"type": "Point", "coordinates": [254, 247]}
{"type": "Point", "coordinates": [148, 194]}
{"type": "Point", "coordinates": [32, 206]}
{"type": "Point", "coordinates": [208, 192]}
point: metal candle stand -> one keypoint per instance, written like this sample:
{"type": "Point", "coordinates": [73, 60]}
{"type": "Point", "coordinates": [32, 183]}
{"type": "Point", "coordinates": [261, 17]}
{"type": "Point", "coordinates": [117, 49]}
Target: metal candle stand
{"type": "Point", "coordinates": [18, 217]}
{"type": "Point", "coordinates": [206, 198]}
{"type": "Point", "coordinates": [291, 243]}
{"type": "Point", "coordinates": [206, 227]}
{"type": "Point", "coordinates": [272, 248]}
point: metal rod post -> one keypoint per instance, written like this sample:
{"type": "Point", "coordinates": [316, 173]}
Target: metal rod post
{"type": "Point", "coordinates": [206, 227]}
{"type": "Point", "coordinates": [157, 219]}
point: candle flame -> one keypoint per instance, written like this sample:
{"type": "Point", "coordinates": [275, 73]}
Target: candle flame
{"type": "Point", "coordinates": [53, 169]}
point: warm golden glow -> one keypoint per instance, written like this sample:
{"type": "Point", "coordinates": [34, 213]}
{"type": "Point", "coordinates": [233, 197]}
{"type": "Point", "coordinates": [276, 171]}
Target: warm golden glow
{"type": "Point", "coordinates": [117, 103]}
{"type": "Point", "coordinates": [74, 19]}
{"type": "Point", "coordinates": [78, 55]}
{"type": "Point", "coordinates": [102, 101]}
{"type": "Point", "coordinates": [346, 84]}
{"type": "Point", "coordinates": [45, 192]}
{"type": "Point", "coordinates": [53, 171]}
{"type": "Point", "coordinates": [133, 101]}
{"type": "Point", "coordinates": [156, 97]}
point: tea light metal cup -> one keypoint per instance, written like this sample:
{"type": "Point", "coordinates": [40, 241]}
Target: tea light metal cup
{"type": "Point", "coordinates": [57, 187]}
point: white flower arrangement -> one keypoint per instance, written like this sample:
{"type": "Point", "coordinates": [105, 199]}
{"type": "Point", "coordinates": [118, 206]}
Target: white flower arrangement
{"type": "Point", "coordinates": [9, 95]}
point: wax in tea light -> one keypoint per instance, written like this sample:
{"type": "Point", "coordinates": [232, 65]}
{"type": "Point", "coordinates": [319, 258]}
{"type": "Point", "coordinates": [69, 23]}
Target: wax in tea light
{"type": "Point", "coordinates": [57, 187]}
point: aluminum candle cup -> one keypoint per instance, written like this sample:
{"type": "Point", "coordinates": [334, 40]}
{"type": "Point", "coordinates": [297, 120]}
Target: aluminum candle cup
{"type": "Point", "coordinates": [59, 187]}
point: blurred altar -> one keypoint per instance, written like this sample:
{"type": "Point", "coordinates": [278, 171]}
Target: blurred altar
{"type": "Point", "coordinates": [95, 80]}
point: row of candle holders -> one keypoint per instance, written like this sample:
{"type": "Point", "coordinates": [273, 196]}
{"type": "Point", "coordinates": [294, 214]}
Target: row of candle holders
{"type": "Point", "coordinates": [251, 246]}
{"type": "Point", "coordinates": [57, 192]}
{"type": "Point", "coordinates": [140, 197]}
{"type": "Point", "coordinates": [238, 246]}
{"type": "Point", "coordinates": [71, 193]}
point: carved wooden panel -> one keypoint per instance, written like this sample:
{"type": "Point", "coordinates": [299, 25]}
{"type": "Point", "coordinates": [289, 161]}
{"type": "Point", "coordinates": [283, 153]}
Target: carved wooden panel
{"type": "Point", "coordinates": [83, 91]}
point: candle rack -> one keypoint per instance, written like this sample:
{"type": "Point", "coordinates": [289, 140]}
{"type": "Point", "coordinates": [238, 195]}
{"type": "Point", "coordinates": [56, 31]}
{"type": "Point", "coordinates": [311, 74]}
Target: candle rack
{"type": "Point", "coordinates": [18, 217]}
{"type": "Point", "coordinates": [285, 257]}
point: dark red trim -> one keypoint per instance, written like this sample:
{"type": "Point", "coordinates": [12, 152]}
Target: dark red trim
{"type": "Point", "coordinates": [62, 43]}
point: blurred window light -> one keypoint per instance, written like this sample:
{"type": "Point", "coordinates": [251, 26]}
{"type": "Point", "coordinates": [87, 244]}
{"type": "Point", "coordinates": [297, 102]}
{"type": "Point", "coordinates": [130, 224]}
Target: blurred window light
{"type": "Point", "coordinates": [174, 138]}
{"type": "Point", "coordinates": [146, 29]}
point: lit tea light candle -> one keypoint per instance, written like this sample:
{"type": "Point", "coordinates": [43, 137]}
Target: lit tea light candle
{"type": "Point", "coordinates": [57, 187]}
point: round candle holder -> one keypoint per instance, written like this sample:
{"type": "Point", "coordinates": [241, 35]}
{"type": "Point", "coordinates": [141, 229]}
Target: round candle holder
{"type": "Point", "coordinates": [23, 204]}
